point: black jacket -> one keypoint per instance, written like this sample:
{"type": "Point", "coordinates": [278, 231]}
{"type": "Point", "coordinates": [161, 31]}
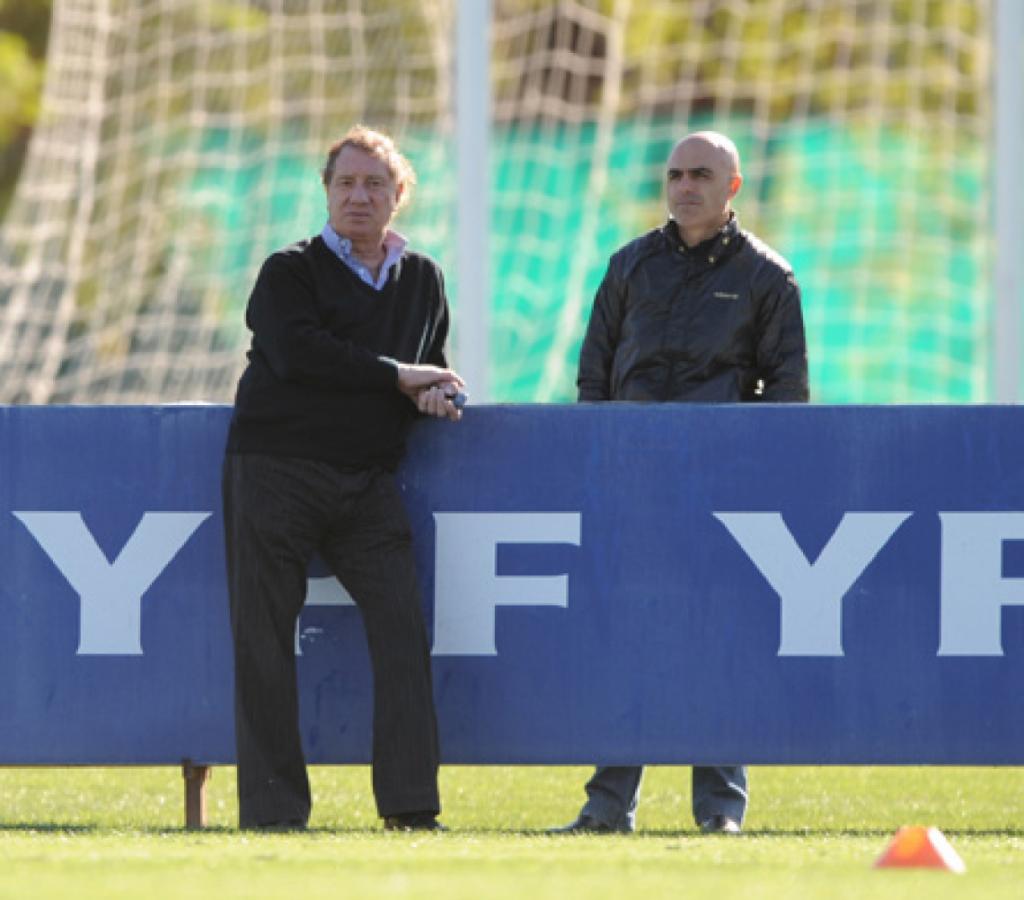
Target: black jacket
{"type": "Point", "coordinates": [717, 323]}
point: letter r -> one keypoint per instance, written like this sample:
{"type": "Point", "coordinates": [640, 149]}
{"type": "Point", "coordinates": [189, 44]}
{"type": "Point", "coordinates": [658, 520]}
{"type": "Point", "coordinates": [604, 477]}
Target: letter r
{"type": "Point", "coordinates": [974, 590]}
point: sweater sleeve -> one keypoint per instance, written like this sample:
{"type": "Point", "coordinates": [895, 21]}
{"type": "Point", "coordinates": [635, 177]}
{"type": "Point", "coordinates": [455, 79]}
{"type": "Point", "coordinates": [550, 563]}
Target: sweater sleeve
{"type": "Point", "coordinates": [436, 347]}
{"type": "Point", "coordinates": [289, 335]}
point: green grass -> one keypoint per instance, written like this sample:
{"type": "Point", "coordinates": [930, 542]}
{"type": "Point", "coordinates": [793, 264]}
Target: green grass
{"type": "Point", "coordinates": [811, 832]}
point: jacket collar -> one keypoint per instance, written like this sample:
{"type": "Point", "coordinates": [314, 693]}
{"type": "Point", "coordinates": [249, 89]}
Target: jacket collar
{"type": "Point", "coordinates": [711, 250]}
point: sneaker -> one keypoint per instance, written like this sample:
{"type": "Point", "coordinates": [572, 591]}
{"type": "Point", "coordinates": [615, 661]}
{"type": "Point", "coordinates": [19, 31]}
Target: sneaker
{"type": "Point", "coordinates": [588, 825]}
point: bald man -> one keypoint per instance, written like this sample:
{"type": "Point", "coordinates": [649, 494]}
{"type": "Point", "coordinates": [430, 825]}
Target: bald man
{"type": "Point", "coordinates": [697, 311]}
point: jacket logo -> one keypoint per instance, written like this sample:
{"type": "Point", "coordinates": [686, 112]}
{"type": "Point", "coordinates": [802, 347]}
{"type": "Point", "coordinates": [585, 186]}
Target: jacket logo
{"type": "Point", "coordinates": [722, 295]}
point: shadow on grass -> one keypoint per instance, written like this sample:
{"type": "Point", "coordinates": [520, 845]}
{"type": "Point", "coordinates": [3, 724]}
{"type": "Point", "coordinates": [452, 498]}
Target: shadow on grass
{"type": "Point", "coordinates": [871, 832]}
{"type": "Point", "coordinates": [332, 831]}
{"type": "Point", "coordinates": [49, 828]}
{"type": "Point", "coordinates": [180, 830]}
{"type": "Point", "coordinates": [695, 835]}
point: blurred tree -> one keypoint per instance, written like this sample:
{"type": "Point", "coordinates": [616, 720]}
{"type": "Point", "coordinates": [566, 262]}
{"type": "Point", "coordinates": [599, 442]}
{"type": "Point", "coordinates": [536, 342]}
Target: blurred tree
{"type": "Point", "coordinates": [24, 28]}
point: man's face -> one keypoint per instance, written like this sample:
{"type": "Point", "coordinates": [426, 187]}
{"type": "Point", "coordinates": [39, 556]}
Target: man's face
{"type": "Point", "coordinates": [361, 196]}
{"type": "Point", "coordinates": [701, 179]}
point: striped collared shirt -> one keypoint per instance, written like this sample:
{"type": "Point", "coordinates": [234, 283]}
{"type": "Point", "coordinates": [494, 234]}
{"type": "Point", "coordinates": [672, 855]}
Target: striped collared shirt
{"type": "Point", "coordinates": [394, 246]}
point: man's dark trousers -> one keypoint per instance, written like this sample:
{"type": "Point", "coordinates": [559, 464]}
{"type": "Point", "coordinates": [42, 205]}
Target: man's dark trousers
{"type": "Point", "coordinates": [278, 513]}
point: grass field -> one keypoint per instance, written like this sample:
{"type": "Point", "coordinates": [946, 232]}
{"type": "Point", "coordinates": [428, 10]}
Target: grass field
{"type": "Point", "coordinates": [811, 832]}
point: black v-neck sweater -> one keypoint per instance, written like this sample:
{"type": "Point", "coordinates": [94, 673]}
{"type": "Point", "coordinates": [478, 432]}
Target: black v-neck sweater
{"type": "Point", "coordinates": [322, 381]}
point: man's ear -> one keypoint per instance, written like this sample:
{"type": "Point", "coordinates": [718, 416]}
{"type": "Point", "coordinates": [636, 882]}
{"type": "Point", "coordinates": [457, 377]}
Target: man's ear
{"type": "Point", "coordinates": [735, 184]}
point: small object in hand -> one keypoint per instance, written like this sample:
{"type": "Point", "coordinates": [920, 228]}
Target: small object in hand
{"type": "Point", "coordinates": [459, 398]}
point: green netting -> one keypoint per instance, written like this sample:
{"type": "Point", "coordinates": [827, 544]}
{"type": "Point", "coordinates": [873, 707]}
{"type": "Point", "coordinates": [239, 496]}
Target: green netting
{"type": "Point", "coordinates": [884, 241]}
{"type": "Point", "coordinates": [894, 281]}
{"type": "Point", "coordinates": [179, 145]}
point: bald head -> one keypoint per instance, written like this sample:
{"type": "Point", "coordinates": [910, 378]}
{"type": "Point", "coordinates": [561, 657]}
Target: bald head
{"type": "Point", "coordinates": [716, 142]}
{"type": "Point", "coordinates": [703, 175]}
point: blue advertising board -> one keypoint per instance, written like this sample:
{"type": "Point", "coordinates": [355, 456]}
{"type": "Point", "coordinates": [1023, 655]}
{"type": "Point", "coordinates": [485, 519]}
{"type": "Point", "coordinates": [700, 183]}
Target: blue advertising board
{"type": "Point", "coordinates": [614, 583]}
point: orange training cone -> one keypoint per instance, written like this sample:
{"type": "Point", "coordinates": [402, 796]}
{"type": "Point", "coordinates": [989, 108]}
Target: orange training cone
{"type": "Point", "coordinates": [915, 846]}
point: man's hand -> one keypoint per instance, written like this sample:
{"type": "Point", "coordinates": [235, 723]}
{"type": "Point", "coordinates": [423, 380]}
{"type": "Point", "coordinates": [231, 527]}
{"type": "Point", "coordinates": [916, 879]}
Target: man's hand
{"type": "Point", "coordinates": [431, 388]}
{"type": "Point", "coordinates": [439, 401]}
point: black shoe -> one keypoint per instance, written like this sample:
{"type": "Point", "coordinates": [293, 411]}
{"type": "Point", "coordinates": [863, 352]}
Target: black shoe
{"type": "Point", "coordinates": [277, 827]}
{"type": "Point", "coordinates": [418, 821]}
{"type": "Point", "coordinates": [720, 825]}
{"type": "Point", "coordinates": [588, 825]}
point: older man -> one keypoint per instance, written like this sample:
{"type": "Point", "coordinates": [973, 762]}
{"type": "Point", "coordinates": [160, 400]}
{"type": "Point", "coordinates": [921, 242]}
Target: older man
{"type": "Point", "coordinates": [348, 335]}
{"type": "Point", "coordinates": [697, 311]}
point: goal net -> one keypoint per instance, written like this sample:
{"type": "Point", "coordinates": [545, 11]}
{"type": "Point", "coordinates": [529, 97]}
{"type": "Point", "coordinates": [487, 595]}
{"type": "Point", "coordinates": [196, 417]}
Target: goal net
{"type": "Point", "coordinates": [179, 143]}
